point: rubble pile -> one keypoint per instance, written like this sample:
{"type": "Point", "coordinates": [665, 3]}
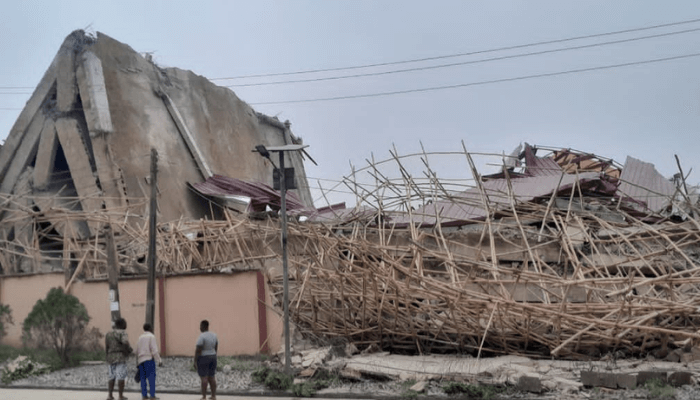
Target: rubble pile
{"type": "Point", "coordinates": [569, 255]}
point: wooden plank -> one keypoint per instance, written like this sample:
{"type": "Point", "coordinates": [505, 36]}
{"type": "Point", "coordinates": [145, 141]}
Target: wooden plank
{"type": "Point", "coordinates": [24, 154]}
{"type": "Point", "coordinates": [46, 155]}
{"type": "Point", "coordinates": [79, 165]}
{"type": "Point", "coordinates": [62, 199]}
{"type": "Point", "coordinates": [93, 94]}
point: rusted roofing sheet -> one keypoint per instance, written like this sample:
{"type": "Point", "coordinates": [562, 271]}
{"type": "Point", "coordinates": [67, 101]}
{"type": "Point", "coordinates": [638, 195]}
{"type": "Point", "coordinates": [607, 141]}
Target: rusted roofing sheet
{"type": "Point", "coordinates": [642, 182]}
{"type": "Point", "coordinates": [468, 206]}
{"type": "Point", "coordinates": [260, 194]}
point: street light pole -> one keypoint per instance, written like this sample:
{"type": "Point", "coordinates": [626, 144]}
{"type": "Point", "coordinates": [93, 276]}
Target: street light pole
{"type": "Point", "coordinates": [282, 175]}
{"type": "Point", "coordinates": [285, 274]}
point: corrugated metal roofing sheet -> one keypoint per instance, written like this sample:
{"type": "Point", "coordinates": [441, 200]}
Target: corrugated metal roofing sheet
{"type": "Point", "coordinates": [642, 182]}
{"type": "Point", "coordinates": [536, 166]}
{"type": "Point", "coordinates": [468, 206]}
{"type": "Point", "coordinates": [260, 194]}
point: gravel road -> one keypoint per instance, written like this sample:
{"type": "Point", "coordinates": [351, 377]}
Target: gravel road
{"type": "Point", "coordinates": [175, 376]}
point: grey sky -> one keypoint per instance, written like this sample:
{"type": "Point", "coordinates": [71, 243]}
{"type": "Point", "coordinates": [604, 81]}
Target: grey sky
{"type": "Point", "coordinates": [649, 111]}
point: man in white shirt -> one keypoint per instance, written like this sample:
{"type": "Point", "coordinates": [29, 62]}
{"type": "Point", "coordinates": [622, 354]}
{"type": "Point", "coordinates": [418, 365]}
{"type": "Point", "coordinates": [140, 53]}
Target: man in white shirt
{"type": "Point", "coordinates": [147, 353]}
{"type": "Point", "coordinates": [205, 358]}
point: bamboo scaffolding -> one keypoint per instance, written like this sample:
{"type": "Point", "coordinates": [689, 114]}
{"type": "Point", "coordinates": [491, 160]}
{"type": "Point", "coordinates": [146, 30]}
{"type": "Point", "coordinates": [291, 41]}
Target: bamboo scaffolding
{"type": "Point", "coordinates": [539, 277]}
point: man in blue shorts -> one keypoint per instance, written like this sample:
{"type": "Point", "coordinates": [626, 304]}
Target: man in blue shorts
{"type": "Point", "coordinates": [205, 358]}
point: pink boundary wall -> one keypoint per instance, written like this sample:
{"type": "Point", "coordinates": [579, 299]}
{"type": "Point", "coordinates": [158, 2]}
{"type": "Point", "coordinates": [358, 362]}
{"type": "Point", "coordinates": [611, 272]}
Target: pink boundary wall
{"type": "Point", "coordinates": [229, 302]}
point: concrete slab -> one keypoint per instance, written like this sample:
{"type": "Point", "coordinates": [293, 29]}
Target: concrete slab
{"type": "Point", "coordinates": [26, 117]}
{"type": "Point", "coordinates": [24, 153]}
{"type": "Point", "coordinates": [66, 85]}
{"type": "Point", "coordinates": [187, 136]}
{"type": "Point", "coordinates": [598, 379]}
{"type": "Point", "coordinates": [46, 155]}
{"type": "Point", "coordinates": [93, 94]}
{"type": "Point", "coordinates": [645, 376]}
{"type": "Point", "coordinates": [80, 168]}
{"type": "Point", "coordinates": [109, 173]}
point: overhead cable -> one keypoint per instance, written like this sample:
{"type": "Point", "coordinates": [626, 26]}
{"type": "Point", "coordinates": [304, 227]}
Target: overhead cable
{"type": "Point", "coordinates": [520, 46]}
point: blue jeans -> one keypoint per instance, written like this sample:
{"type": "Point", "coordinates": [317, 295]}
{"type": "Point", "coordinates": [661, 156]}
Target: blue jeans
{"type": "Point", "coordinates": [147, 371]}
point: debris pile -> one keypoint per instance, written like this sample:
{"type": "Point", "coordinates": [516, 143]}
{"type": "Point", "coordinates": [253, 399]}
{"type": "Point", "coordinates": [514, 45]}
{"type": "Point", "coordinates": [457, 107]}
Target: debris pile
{"type": "Point", "coordinates": [569, 255]}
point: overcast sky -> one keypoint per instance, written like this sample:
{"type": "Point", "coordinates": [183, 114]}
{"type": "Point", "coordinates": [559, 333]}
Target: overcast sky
{"type": "Point", "coordinates": [649, 111]}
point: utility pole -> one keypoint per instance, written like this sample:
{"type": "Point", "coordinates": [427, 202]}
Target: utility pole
{"type": "Point", "coordinates": [112, 275]}
{"type": "Point", "coordinates": [281, 180]}
{"type": "Point", "coordinates": [151, 289]}
{"type": "Point", "coordinates": [283, 217]}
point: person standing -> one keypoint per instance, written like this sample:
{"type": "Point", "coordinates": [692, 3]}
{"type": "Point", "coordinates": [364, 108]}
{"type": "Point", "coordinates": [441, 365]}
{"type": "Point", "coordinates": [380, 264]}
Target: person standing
{"type": "Point", "coordinates": [147, 356]}
{"type": "Point", "coordinates": [118, 350]}
{"type": "Point", "coordinates": [205, 358]}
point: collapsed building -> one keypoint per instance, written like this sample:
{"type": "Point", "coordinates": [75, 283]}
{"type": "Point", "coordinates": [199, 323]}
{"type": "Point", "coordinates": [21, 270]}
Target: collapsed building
{"type": "Point", "coordinates": [559, 253]}
{"type": "Point", "coordinates": [563, 254]}
{"type": "Point", "coordinates": [82, 144]}
{"type": "Point", "coordinates": [78, 164]}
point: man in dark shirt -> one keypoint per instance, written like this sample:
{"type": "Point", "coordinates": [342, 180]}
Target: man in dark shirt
{"type": "Point", "coordinates": [118, 349]}
{"type": "Point", "coordinates": [205, 358]}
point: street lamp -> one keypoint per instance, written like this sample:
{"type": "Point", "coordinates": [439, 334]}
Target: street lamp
{"type": "Point", "coordinates": [284, 177]}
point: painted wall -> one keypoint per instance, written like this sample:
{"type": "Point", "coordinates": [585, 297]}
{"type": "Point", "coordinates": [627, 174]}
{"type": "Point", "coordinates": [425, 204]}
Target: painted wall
{"type": "Point", "coordinates": [228, 301]}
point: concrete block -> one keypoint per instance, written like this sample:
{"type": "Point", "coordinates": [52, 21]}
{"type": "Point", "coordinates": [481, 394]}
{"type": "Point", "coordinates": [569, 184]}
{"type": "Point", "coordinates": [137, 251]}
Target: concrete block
{"type": "Point", "coordinates": [529, 384]}
{"type": "Point", "coordinates": [598, 379]}
{"type": "Point", "coordinates": [351, 374]}
{"type": "Point", "coordinates": [674, 356]}
{"type": "Point", "coordinates": [626, 381]}
{"type": "Point", "coordinates": [692, 356]}
{"type": "Point", "coordinates": [419, 387]}
{"type": "Point", "coordinates": [645, 376]}
{"type": "Point", "coordinates": [680, 378]}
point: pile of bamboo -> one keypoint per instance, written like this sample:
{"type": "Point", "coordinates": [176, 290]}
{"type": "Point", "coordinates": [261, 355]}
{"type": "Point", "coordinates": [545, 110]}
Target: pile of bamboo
{"type": "Point", "coordinates": [576, 281]}
{"type": "Point", "coordinates": [573, 277]}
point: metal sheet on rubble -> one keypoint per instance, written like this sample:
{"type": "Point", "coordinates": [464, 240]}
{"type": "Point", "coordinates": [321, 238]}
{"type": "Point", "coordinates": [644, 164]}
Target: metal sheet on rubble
{"type": "Point", "coordinates": [261, 194]}
{"type": "Point", "coordinates": [468, 206]}
{"type": "Point", "coordinates": [536, 166]}
{"type": "Point", "coordinates": [642, 182]}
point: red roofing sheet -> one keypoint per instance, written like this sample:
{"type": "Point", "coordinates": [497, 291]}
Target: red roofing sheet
{"type": "Point", "coordinates": [536, 166]}
{"type": "Point", "coordinates": [260, 194]}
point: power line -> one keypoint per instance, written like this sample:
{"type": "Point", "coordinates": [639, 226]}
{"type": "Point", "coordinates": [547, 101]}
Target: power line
{"type": "Point", "coordinates": [518, 78]}
{"type": "Point", "coordinates": [469, 62]}
{"type": "Point", "coordinates": [520, 46]}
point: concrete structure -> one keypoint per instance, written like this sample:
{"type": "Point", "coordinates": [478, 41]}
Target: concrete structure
{"type": "Point", "coordinates": [87, 131]}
